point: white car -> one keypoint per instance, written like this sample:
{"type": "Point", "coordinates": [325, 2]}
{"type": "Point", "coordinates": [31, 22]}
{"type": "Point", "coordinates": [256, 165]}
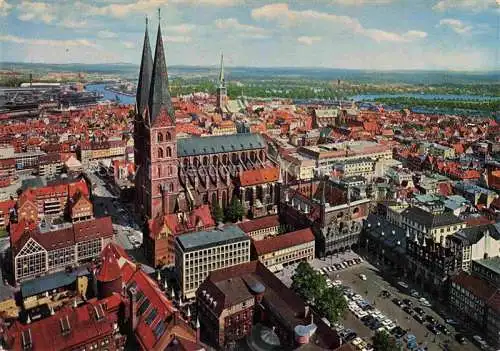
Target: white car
{"type": "Point", "coordinates": [362, 276]}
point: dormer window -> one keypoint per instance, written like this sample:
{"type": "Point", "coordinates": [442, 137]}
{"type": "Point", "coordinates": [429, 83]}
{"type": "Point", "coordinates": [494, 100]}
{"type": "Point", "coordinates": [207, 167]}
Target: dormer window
{"type": "Point", "coordinates": [65, 326]}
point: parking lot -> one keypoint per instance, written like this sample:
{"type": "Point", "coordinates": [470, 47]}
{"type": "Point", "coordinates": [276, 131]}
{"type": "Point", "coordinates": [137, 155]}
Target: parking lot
{"type": "Point", "coordinates": [371, 290]}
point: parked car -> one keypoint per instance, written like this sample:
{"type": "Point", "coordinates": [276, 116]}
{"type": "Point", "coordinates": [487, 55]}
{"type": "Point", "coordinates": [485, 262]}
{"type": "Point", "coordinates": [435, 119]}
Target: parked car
{"type": "Point", "coordinates": [442, 329]}
{"type": "Point", "coordinates": [408, 302]}
{"type": "Point", "coordinates": [385, 293]}
{"type": "Point", "coordinates": [424, 302]}
{"type": "Point", "coordinates": [362, 276]}
{"type": "Point", "coordinates": [433, 329]}
{"type": "Point", "coordinates": [460, 338]}
{"type": "Point", "coordinates": [430, 319]}
{"type": "Point", "coordinates": [419, 311]}
{"type": "Point", "coordinates": [398, 332]}
{"type": "Point", "coordinates": [419, 318]}
{"type": "Point", "coordinates": [408, 310]}
{"type": "Point", "coordinates": [414, 293]}
{"type": "Point", "coordinates": [397, 302]}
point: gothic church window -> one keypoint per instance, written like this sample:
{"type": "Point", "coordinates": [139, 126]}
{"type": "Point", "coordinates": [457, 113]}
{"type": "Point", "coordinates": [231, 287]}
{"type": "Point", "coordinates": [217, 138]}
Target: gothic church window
{"type": "Point", "coordinates": [160, 152]}
{"type": "Point", "coordinates": [160, 137]}
{"type": "Point", "coordinates": [169, 152]}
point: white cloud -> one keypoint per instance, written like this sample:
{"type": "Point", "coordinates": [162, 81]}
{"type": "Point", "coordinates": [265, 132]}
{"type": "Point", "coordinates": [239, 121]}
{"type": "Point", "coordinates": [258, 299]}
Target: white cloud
{"type": "Point", "coordinates": [216, 3]}
{"type": "Point", "coordinates": [106, 34]}
{"type": "Point", "coordinates": [128, 45]}
{"type": "Point", "coordinates": [286, 17]}
{"type": "Point", "coordinates": [183, 28]}
{"type": "Point", "coordinates": [36, 11]}
{"type": "Point", "coordinates": [177, 39]}
{"type": "Point", "coordinates": [308, 40]}
{"type": "Point", "coordinates": [465, 5]}
{"type": "Point", "coordinates": [47, 42]}
{"type": "Point", "coordinates": [76, 24]}
{"type": "Point", "coordinates": [362, 2]}
{"type": "Point", "coordinates": [4, 8]}
{"type": "Point", "coordinates": [456, 25]}
{"type": "Point", "coordinates": [246, 30]}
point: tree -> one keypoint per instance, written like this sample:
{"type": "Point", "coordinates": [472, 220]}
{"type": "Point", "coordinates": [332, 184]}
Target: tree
{"type": "Point", "coordinates": [235, 210]}
{"type": "Point", "coordinates": [308, 283]}
{"type": "Point", "coordinates": [217, 213]}
{"type": "Point", "coordinates": [382, 341]}
{"type": "Point", "coordinates": [331, 304]}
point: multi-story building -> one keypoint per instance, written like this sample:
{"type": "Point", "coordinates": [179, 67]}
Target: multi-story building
{"type": "Point", "coordinates": [90, 151]}
{"type": "Point", "coordinates": [474, 243]}
{"type": "Point", "coordinates": [298, 166]}
{"type": "Point", "coordinates": [197, 254]}
{"type": "Point", "coordinates": [432, 225]}
{"type": "Point", "coordinates": [476, 297]}
{"type": "Point", "coordinates": [248, 301]}
{"type": "Point", "coordinates": [7, 171]}
{"type": "Point", "coordinates": [282, 250]}
{"type": "Point", "coordinates": [50, 165]}
{"type": "Point", "coordinates": [327, 117]}
{"type": "Point", "coordinates": [356, 167]}
{"type": "Point", "coordinates": [262, 228]}
{"type": "Point", "coordinates": [335, 214]}
{"type": "Point", "coordinates": [327, 156]}
{"type": "Point", "coordinates": [6, 208]}
{"type": "Point", "coordinates": [38, 249]}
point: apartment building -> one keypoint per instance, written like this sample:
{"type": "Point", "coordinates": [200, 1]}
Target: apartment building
{"type": "Point", "coordinates": [43, 248]}
{"type": "Point", "coordinates": [199, 253]}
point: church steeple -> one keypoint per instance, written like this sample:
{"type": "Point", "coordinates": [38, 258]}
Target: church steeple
{"type": "Point", "coordinates": [159, 96]}
{"type": "Point", "coordinates": [145, 72]}
{"type": "Point", "coordinates": [222, 82]}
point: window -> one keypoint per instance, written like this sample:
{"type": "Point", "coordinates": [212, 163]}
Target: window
{"type": "Point", "coordinates": [169, 152]}
{"type": "Point", "coordinates": [168, 137]}
{"type": "Point", "coordinates": [160, 137]}
{"type": "Point", "coordinates": [160, 152]}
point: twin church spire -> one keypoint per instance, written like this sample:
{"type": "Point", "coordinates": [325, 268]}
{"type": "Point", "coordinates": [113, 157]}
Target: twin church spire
{"type": "Point", "coordinates": [153, 96]}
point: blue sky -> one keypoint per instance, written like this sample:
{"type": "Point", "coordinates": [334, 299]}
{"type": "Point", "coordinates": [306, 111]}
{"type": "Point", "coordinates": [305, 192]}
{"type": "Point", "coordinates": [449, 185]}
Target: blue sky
{"type": "Point", "coordinates": [366, 34]}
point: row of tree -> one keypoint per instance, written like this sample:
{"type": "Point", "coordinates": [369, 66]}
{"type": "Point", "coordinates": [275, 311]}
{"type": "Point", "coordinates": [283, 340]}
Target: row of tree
{"type": "Point", "coordinates": [312, 287]}
{"type": "Point", "coordinates": [234, 211]}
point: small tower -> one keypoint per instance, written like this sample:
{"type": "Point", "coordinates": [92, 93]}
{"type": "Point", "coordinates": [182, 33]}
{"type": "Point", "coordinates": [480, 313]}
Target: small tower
{"type": "Point", "coordinates": [221, 89]}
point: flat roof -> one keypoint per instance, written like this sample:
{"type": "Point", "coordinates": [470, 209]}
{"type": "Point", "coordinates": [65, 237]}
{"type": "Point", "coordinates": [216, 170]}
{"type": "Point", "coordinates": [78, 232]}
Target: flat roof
{"type": "Point", "coordinates": [200, 240]}
{"type": "Point", "coordinates": [492, 264]}
{"type": "Point", "coordinates": [51, 281]}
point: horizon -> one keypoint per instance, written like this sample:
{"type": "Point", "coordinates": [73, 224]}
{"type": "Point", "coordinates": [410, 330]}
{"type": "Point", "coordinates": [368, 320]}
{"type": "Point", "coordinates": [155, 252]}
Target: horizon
{"type": "Point", "coordinates": [378, 35]}
{"type": "Point", "coordinates": [215, 66]}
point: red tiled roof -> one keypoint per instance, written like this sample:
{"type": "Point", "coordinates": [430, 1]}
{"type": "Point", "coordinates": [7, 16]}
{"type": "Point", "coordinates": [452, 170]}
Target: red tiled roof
{"type": "Point", "coordinates": [480, 288]}
{"type": "Point", "coordinates": [199, 217]}
{"type": "Point", "coordinates": [6, 205]}
{"type": "Point", "coordinates": [259, 176]}
{"type": "Point", "coordinates": [259, 223]}
{"type": "Point", "coordinates": [109, 269]}
{"type": "Point", "coordinates": [283, 241]}
{"type": "Point", "coordinates": [46, 334]}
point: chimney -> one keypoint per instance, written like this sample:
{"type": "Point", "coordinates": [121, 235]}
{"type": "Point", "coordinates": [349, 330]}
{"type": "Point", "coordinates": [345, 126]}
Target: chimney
{"type": "Point", "coordinates": [133, 309]}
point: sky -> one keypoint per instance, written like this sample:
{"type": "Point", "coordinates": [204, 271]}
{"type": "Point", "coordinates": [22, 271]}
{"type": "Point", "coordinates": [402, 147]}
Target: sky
{"type": "Point", "coordinates": [355, 34]}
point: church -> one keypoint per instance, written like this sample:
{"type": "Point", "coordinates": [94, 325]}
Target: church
{"type": "Point", "coordinates": [186, 176]}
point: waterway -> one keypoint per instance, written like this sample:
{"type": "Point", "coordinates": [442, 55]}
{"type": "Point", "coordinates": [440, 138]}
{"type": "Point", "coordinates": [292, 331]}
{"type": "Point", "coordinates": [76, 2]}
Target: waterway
{"type": "Point", "coordinates": [458, 97]}
{"type": "Point", "coordinates": [109, 95]}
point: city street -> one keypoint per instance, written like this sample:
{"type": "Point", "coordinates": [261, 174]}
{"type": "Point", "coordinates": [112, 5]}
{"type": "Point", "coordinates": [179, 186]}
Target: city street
{"type": "Point", "coordinates": [124, 226]}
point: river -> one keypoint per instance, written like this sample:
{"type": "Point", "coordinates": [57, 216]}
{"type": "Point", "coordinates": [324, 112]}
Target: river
{"type": "Point", "coordinates": [109, 95]}
{"type": "Point", "coordinates": [461, 97]}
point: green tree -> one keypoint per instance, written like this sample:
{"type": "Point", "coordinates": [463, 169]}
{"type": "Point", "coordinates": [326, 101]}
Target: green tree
{"type": "Point", "coordinates": [382, 341]}
{"type": "Point", "coordinates": [308, 283]}
{"type": "Point", "coordinates": [331, 304]}
{"type": "Point", "coordinates": [217, 213]}
{"type": "Point", "coordinates": [235, 210]}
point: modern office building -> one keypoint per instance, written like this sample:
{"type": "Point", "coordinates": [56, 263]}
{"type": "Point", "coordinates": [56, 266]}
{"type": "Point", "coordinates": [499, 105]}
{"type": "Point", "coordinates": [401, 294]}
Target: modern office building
{"type": "Point", "coordinates": [197, 254]}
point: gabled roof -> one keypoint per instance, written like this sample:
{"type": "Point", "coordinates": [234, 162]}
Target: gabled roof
{"type": "Point", "coordinates": [109, 269]}
{"type": "Point", "coordinates": [160, 102]}
{"type": "Point", "coordinates": [219, 144]}
{"type": "Point", "coordinates": [259, 176]}
{"type": "Point", "coordinates": [283, 241]}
